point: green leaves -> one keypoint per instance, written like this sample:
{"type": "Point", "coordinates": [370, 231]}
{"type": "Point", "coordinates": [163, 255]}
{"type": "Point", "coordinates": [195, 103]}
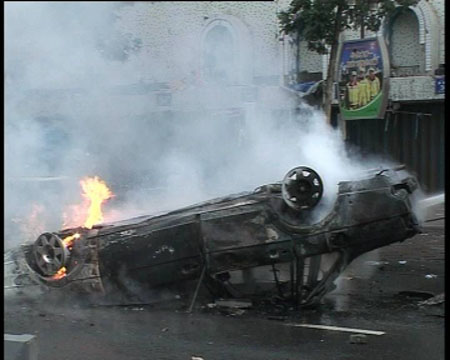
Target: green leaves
{"type": "Point", "coordinates": [316, 20]}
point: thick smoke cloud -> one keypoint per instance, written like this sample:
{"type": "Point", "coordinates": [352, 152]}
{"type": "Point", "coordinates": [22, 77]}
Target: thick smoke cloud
{"type": "Point", "coordinates": [66, 119]}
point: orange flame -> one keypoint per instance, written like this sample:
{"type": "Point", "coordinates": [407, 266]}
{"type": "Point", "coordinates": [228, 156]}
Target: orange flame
{"type": "Point", "coordinates": [89, 213]}
{"type": "Point", "coordinates": [60, 273]}
{"type": "Point", "coordinates": [68, 241]}
{"type": "Point", "coordinates": [96, 191]}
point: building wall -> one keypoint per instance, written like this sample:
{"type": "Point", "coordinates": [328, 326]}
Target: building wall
{"type": "Point", "coordinates": [439, 8]}
{"type": "Point", "coordinates": [413, 88]}
{"type": "Point", "coordinates": [416, 39]}
{"type": "Point", "coordinates": [171, 34]}
{"type": "Point", "coordinates": [310, 61]}
{"type": "Point", "coordinates": [405, 48]}
{"type": "Point", "coordinates": [413, 133]}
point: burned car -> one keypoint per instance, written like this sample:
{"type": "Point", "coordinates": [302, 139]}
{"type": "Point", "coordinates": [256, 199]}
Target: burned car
{"type": "Point", "coordinates": [272, 226]}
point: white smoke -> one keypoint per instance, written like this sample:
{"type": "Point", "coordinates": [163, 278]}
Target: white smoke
{"type": "Point", "coordinates": [65, 120]}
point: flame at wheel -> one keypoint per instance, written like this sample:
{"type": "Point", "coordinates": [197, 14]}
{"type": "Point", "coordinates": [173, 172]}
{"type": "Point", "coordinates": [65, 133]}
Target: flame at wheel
{"type": "Point", "coordinates": [52, 251]}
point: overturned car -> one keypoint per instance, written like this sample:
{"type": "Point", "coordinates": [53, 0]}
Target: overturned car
{"type": "Point", "coordinates": [272, 227]}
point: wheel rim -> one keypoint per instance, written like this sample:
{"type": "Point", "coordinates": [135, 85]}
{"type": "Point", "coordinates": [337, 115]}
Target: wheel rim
{"type": "Point", "coordinates": [50, 253]}
{"type": "Point", "coordinates": [302, 188]}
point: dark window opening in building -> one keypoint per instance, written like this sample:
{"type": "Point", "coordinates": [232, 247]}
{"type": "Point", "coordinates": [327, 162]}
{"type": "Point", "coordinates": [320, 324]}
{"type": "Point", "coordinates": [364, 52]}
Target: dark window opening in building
{"type": "Point", "coordinates": [407, 54]}
{"type": "Point", "coordinates": [219, 56]}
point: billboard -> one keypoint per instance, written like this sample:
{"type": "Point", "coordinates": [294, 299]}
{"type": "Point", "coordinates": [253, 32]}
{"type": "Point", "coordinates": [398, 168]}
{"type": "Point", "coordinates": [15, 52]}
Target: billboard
{"type": "Point", "coordinates": [363, 79]}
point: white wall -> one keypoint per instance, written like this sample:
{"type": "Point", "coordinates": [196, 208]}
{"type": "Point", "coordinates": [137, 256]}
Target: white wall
{"type": "Point", "coordinates": [171, 33]}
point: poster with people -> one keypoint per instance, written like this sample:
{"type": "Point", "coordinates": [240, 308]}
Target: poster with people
{"type": "Point", "coordinates": [363, 87]}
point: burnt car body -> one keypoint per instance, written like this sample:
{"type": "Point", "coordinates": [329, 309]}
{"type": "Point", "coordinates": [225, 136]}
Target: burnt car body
{"type": "Point", "coordinates": [272, 225]}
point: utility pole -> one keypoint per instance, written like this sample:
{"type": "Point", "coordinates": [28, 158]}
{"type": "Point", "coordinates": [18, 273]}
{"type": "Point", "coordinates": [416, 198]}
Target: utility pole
{"type": "Point", "coordinates": [328, 93]}
{"type": "Point", "coordinates": [362, 26]}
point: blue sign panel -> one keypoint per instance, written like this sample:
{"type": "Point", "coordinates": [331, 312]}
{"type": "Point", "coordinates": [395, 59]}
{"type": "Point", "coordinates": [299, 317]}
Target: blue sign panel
{"type": "Point", "coordinates": [439, 85]}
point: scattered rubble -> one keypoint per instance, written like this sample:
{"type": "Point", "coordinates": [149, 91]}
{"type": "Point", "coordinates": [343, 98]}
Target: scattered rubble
{"type": "Point", "coordinates": [234, 303]}
{"type": "Point", "coordinates": [230, 307]}
{"type": "Point", "coordinates": [377, 263]}
{"type": "Point", "coordinates": [431, 276]}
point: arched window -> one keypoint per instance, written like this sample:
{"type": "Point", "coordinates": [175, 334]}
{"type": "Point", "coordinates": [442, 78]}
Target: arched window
{"type": "Point", "coordinates": [219, 55]}
{"type": "Point", "coordinates": [406, 52]}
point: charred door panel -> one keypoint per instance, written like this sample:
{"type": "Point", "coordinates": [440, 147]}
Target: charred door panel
{"type": "Point", "coordinates": [243, 238]}
{"type": "Point", "coordinates": [257, 255]}
{"type": "Point", "coordinates": [162, 256]}
{"type": "Point", "coordinates": [357, 208]}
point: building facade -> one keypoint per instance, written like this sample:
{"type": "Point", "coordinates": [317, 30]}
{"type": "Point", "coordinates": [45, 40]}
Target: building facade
{"type": "Point", "coordinates": [214, 55]}
{"type": "Point", "coordinates": [412, 131]}
{"type": "Point", "coordinates": [222, 60]}
{"type": "Point", "coordinates": [190, 61]}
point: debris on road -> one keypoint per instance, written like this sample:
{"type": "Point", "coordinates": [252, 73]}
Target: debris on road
{"type": "Point", "coordinates": [196, 358]}
{"type": "Point", "coordinates": [234, 304]}
{"type": "Point", "coordinates": [338, 328]}
{"type": "Point", "coordinates": [358, 339]}
{"type": "Point", "coordinates": [431, 276]}
{"type": "Point", "coordinates": [376, 263]}
{"type": "Point", "coordinates": [402, 262]}
{"type": "Point", "coordinates": [231, 307]}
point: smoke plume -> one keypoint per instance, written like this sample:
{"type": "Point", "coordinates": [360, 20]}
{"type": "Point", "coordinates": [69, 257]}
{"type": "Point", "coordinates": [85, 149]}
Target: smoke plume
{"type": "Point", "coordinates": [77, 105]}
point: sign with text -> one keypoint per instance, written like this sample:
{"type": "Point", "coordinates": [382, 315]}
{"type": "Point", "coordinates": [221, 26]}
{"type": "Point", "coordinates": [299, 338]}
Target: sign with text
{"type": "Point", "coordinates": [439, 85]}
{"type": "Point", "coordinates": [363, 78]}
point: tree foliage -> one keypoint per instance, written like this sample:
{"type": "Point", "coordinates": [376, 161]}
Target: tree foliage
{"type": "Point", "coordinates": [316, 20]}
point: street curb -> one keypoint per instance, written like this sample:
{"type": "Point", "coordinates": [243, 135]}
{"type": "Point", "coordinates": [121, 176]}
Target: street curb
{"type": "Point", "coordinates": [20, 347]}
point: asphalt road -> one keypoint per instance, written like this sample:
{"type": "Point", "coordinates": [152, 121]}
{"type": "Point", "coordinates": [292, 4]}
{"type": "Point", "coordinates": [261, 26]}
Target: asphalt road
{"type": "Point", "coordinates": [377, 292]}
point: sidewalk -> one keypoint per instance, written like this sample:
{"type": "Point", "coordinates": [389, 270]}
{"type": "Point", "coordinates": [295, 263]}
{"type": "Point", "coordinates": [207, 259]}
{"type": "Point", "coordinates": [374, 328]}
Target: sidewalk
{"type": "Point", "coordinates": [435, 216]}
